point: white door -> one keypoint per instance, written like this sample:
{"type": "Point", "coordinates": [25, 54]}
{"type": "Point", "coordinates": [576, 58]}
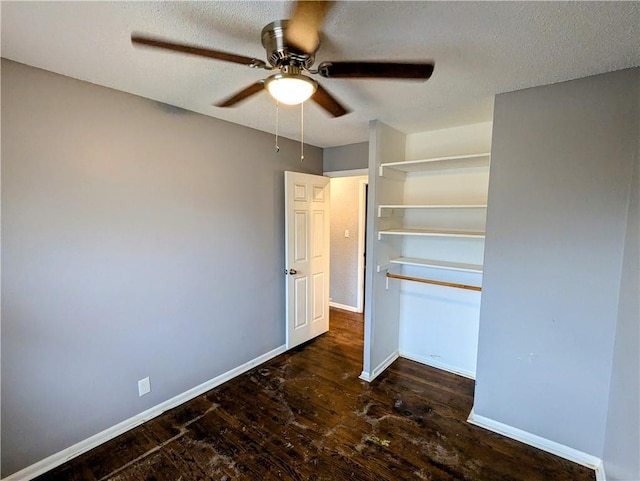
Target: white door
{"type": "Point", "coordinates": [306, 256]}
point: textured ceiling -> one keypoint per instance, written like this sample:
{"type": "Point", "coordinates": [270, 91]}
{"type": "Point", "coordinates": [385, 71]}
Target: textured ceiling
{"type": "Point", "coordinates": [479, 48]}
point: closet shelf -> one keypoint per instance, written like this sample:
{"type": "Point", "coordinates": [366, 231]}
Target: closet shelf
{"type": "Point", "coordinates": [432, 233]}
{"type": "Point", "coordinates": [474, 160]}
{"type": "Point", "coordinates": [430, 206]}
{"type": "Point", "coordinates": [451, 266]}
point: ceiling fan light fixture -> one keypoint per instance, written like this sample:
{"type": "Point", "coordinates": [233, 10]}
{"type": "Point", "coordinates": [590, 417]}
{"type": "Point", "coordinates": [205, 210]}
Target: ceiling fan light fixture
{"type": "Point", "coordinates": [291, 89]}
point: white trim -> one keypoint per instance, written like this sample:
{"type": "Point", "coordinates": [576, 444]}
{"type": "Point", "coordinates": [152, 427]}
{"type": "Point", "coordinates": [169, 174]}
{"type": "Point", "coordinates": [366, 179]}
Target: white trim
{"type": "Point", "coordinates": [438, 365]}
{"type": "Point", "coordinates": [362, 220]}
{"type": "Point", "coordinates": [94, 441]}
{"type": "Point", "coordinates": [366, 376]}
{"type": "Point", "coordinates": [346, 173]}
{"type": "Point", "coordinates": [344, 307]}
{"type": "Point", "coordinates": [600, 474]}
{"type": "Point", "coordinates": [539, 442]}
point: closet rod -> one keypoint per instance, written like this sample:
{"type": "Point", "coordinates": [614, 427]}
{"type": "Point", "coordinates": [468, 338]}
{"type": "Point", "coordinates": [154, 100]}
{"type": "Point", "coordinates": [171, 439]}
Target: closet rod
{"type": "Point", "coordinates": [431, 281]}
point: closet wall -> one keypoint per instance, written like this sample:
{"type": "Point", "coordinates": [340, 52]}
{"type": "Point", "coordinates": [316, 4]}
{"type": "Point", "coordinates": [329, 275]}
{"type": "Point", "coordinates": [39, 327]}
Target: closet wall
{"type": "Point", "coordinates": [428, 207]}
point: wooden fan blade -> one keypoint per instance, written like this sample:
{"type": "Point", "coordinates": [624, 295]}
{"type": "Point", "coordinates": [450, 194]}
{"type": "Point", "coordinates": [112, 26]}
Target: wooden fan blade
{"type": "Point", "coordinates": [243, 94]}
{"type": "Point", "coordinates": [304, 25]}
{"type": "Point", "coordinates": [195, 50]}
{"type": "Point", "coordinates": [390, 70]}
{"type": "Point", "coordinates": [325, 100]}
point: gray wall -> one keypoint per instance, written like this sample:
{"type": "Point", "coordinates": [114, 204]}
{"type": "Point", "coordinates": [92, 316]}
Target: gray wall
{"type": "Point", "coordinates": [382, 304]}
{"type": "Point", "coordinates": [346, 157]}
{"type": "Point", "coordinates": [131, 237]}
{"type": "Point", "coordinates": [622, 441]}
{"type": "Point", "coordinates": [562, 160]}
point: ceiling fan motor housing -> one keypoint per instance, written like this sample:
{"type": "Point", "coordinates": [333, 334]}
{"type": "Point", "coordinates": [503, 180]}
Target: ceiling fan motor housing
{"type": "Point", "coordinates": [291, 46]}
{"type": "Point", "coordinates": [279, 52]}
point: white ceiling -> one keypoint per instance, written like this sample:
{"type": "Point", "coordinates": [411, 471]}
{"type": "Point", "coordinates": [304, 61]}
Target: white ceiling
{"type": "Point", "coordinates": [479, 48]}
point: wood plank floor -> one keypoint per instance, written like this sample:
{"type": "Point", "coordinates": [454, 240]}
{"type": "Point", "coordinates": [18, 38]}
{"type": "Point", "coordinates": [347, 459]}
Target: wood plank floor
{"type": "Point", "coordinates": [305, 415]}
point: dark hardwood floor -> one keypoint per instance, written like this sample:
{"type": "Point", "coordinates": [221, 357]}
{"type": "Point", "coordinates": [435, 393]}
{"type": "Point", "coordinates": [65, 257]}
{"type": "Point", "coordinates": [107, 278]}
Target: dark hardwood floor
{"type": "Point", "coordinates": [305, 415]}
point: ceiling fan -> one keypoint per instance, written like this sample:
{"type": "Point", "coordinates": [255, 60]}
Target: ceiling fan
{"type": "Point", "coordinates": [291, 46]}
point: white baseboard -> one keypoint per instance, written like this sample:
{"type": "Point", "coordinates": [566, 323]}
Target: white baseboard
{"type": "Point", "coordinates": [94, 441]}
{"type": "Point", "coordinates": [439, 365]}
{"type": "Point", "coordinates": [370, 376]}
{"type": "Point", "coordinates": [344, 307]}
{"type": "Point", "coordinates": [600, 474]}
{"type": "Point", "coordinates": [547, 445]}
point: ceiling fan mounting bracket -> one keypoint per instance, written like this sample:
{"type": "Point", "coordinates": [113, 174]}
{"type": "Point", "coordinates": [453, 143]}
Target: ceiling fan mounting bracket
{"type": "Point", "coordinates": [259, 64]}
{"type": "Point", "coordinates": [279, 52]}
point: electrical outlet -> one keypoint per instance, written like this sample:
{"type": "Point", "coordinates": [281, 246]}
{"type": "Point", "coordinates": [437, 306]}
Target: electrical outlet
{"type": "Point", "coordinates": [144, 386]}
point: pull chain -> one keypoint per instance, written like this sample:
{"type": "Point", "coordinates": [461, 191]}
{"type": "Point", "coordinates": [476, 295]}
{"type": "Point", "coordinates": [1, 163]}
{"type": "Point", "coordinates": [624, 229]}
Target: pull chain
{"type": "Point", "coordinates": [302, 132]}
{"type": "Point", "coordinates": [277, 118]}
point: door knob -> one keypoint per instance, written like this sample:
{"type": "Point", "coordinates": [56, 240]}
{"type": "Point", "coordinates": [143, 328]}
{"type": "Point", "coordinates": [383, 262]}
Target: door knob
{"type": "Point", "coordinates": [292, 272]}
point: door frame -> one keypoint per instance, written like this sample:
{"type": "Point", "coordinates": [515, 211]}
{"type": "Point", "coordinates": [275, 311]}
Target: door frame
{"type": "Point", "coordinates": [362, 235]}
{"type": "Point", "coordinates": [362, 238]}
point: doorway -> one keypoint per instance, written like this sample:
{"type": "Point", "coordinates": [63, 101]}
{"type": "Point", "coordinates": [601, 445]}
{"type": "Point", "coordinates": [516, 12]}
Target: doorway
{"type": "Point", "coordinates": [348, 234]}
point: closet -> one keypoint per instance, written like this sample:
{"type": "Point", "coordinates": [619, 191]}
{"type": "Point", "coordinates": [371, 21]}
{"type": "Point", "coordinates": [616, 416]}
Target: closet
{"type": "Point", "coordinates": [427, 210]}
